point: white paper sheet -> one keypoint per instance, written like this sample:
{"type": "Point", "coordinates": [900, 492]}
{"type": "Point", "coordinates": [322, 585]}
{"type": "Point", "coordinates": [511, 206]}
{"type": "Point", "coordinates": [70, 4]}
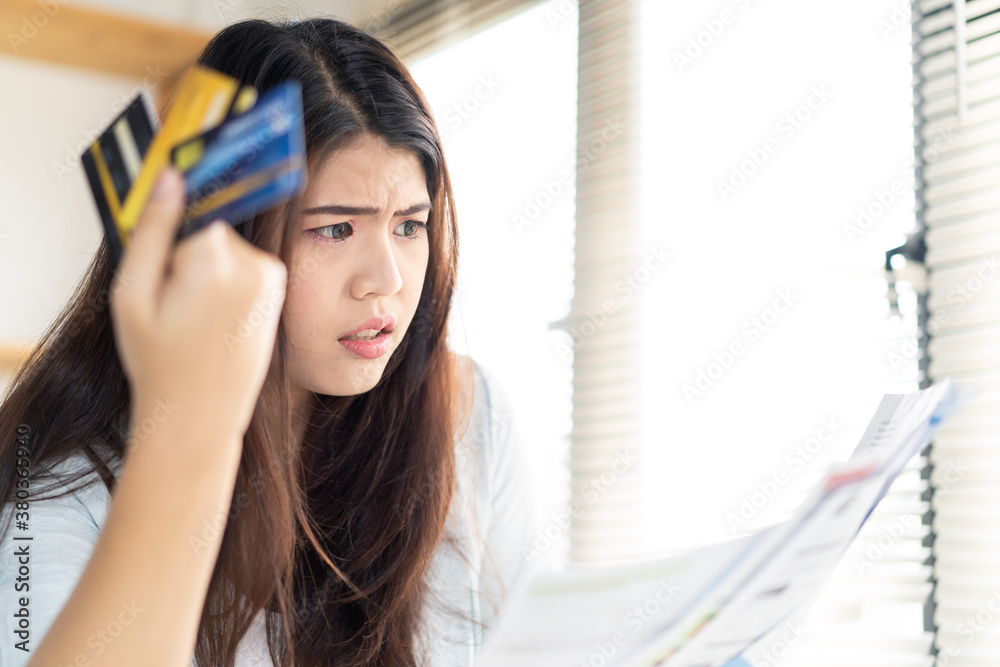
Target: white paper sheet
{"type": "Point", "coordinates": [705, 608]}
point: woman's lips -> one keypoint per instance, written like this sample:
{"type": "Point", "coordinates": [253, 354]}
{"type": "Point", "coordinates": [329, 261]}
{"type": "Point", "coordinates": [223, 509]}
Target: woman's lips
{"type": "Point", "coordinates": [368, 349]}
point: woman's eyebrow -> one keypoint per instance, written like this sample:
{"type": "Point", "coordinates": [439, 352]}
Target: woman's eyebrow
{"type": "Point", "coordinates": [336, 209]}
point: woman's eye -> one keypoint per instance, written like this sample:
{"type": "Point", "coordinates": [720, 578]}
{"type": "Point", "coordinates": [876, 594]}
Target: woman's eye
{"type": "Point", "coordinates": [411, 226]}
{"type": "Point", "coordinates": [340, 231]}
{"type": "Point", "coordinates": [333, 231]}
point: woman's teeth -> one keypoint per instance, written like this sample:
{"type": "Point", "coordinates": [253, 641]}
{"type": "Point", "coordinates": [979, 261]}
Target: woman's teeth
{"type": "Point", "coordinates": [367, 334]}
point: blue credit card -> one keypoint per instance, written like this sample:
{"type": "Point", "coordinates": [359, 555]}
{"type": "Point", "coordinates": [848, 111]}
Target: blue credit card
{"type": "Point", "coordinates": [250, 162]}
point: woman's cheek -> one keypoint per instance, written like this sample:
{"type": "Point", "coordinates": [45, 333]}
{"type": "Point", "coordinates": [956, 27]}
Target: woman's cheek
{"type": "Point", "coordinates": [306, 265]}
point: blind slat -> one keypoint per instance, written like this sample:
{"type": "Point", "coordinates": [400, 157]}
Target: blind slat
{"type": "Point", "coordinates": [958, 193]}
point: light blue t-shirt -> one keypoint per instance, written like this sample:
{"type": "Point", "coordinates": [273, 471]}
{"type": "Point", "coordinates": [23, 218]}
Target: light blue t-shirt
{"type": "Point", "coordinates": [493, 483]}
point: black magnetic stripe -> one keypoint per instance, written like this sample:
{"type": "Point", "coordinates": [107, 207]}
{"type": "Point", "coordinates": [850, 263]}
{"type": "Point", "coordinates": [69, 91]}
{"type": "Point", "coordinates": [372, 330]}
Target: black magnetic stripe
{"type": "Point", "coordinates": [138, 122]}
{"type": "Point", "coordinates": [108, 144]}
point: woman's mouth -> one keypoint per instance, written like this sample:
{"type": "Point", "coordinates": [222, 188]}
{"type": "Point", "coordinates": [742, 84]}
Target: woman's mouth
{"type": "Point", "coordinates": [368, 344]}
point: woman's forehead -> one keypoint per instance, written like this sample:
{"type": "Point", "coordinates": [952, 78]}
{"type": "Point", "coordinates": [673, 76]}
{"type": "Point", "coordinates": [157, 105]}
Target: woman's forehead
{"type": "Point", "coordinates": [369, 169]}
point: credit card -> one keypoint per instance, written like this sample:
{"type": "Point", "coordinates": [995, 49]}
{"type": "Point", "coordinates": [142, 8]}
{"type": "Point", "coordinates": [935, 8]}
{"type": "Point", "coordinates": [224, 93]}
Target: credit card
{"type": "Point", "coordinates": [113, 162]}
{"type": "Point", "coordinates": [248, 163]}
{"type": "Point", "coordinates": [202, 100]}
{"type": "Point", "coordinates": [239, 154]}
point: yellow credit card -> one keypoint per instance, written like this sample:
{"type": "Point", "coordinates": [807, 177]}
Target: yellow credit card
{"type": "Point", "coordinates": [122, 164]}
{"type": "Point", "coordinates": [202, 99]}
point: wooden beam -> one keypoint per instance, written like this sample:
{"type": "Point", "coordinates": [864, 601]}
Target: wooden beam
{"type": "Point", "coordinates": [60, 32]}
{"type": "Point", "coordinates": [12, 356]}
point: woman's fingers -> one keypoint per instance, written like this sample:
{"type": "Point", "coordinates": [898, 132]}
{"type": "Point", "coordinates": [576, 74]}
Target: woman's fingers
{"type": "Point", "coordinates": [144, 262]}
{"type": "Point", "coordinates": [179, 310]}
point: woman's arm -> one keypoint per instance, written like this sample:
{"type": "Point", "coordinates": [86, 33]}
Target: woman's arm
{"type": "Point", "coordinates": [513, 517]}
{"type": "Point", "coordinates": [174, 484]}
{"type": "Point", "coordinates": [193, 395]}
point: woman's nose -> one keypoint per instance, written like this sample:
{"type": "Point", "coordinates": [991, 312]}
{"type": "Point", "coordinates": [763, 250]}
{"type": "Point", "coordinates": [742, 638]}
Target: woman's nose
{"type": "Point", "coordinates": [377, 269]}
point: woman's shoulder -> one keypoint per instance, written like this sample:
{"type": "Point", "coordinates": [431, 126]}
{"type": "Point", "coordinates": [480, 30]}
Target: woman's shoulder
{"type": "Point", "coordinates": [504, 488]}
{"type": "Point", "coordinates": [492, 435]}
{"type": "Point", "coordinates": [488, 427]}
{"type": "Point", "coordinates": [87, 500]}
{"type": "Point", "coordinates": [488, 394]}
{"type": "Point", "coordinates": [54, 537]}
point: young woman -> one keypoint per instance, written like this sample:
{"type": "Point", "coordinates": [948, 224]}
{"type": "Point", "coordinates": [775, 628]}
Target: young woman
{"type": "Point", "coordinates": [206, 462]}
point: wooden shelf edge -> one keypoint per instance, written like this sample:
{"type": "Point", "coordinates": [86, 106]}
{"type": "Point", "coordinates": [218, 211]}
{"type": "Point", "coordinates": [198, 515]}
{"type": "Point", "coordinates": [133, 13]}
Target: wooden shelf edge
{"type": "Point", "coordinates": [13, 354]}
{"type": "Point", "coordinates": [96, 40]}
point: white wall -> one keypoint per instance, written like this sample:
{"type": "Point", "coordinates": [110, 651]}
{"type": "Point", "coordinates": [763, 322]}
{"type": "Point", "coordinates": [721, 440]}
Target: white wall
{"type": "Point", "coordinates": [213, 14]}
{"type": "Point", "coordinates": [49, 228]}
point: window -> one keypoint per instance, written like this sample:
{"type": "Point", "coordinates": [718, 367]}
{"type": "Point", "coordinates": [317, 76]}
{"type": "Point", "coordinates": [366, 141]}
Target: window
{"type": "Point", "coordinates": [508, 128]}
{"type": "Point", "coordinates": [776, 169]}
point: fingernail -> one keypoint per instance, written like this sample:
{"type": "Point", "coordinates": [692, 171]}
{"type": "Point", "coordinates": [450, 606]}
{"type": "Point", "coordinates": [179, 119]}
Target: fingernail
{"type": "Point", "coordinates": [160, 186]}
{"type": "Point", "coordinates": [218, 227]}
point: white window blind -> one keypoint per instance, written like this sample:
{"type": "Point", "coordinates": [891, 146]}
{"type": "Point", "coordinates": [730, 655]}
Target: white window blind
{"type": "Point", "coordinates": [418, 28]}
{"type": "Point", "coordinates": [603, 323]}
{"type": "Point", "coordinates": [958, 91]}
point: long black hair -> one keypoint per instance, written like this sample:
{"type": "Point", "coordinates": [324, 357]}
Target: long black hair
{"type": "Point", "coordinates": [334, 537]}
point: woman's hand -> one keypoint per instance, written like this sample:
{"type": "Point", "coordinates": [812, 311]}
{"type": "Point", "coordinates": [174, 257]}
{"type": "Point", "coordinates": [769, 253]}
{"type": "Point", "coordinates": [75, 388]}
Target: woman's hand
{"type": "Point", "coordinates": [195, 325]}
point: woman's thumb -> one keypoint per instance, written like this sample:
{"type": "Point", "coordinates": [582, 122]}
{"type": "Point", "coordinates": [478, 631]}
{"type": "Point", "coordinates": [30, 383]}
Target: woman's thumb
{"type": "Point", "coordinates": [151, 241]}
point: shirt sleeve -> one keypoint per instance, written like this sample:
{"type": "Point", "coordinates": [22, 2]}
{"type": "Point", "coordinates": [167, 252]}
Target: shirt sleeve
{"type": "Point", "coordinates": [41, 561]}
{"type": "Point", "coordinates": [512, 518]}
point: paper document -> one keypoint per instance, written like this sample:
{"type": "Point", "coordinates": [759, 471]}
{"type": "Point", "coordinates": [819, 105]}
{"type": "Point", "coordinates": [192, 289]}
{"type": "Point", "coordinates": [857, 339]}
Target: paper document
{"type": "Point", "coordinates": [705, 608]}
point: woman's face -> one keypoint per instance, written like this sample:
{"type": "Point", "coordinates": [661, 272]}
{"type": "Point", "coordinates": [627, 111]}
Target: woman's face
{"type": "Point", "coordinates": [360, 251]}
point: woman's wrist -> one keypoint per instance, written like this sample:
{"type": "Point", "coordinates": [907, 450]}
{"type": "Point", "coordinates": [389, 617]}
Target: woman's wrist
{"type": "Point", "coordinates": [181, 422]}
